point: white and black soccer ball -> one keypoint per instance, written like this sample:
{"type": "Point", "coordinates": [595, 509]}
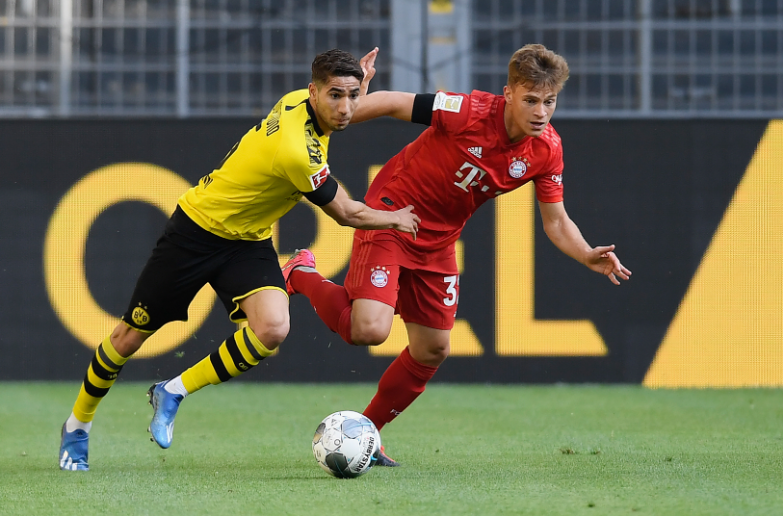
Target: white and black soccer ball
{"type": "Point", "coordinates": [346, 444]}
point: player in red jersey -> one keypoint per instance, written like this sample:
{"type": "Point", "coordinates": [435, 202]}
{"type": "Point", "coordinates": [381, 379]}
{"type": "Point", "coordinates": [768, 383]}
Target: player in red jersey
{"type": "Point", "coordinates": [477, 146]}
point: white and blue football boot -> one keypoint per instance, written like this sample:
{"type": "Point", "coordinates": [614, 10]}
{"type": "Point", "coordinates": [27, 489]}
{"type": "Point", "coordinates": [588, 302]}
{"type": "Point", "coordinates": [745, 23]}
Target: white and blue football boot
{"type": "Point", "coordinates": [164, 406]}
{"type": "Point", "coordinates": [73, 450]}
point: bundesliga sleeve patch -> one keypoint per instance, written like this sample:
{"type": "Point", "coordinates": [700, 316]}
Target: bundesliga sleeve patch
{"type": "Point", "coordinates": [445, 102]}
{"type": "Point", "coordinates": [319, 178]}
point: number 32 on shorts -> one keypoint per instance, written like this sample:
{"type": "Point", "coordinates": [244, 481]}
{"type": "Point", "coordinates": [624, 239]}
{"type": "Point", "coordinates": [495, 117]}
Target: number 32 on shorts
{"type": "Point", "coordinates": [451, 290]}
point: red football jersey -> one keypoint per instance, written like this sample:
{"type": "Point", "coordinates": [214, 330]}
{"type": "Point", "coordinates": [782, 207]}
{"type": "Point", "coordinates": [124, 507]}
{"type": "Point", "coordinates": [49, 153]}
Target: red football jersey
{"type": "Point", "coordinates": [462, 160]}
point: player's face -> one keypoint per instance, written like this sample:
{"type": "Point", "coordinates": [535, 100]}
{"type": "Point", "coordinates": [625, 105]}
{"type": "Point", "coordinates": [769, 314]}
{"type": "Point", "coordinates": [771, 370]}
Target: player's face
{"type": "Point", "coordinates": [528, 111]}
{"type": "Point", "coordinates": [335, 102]}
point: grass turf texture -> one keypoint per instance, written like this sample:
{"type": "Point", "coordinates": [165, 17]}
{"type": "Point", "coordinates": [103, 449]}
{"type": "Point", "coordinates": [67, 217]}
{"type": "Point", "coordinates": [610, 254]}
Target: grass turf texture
{"type": "Point", "coordinates": [245, 449]}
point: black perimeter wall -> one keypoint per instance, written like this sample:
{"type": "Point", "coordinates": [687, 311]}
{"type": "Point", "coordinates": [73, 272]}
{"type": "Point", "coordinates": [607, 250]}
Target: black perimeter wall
{"type": "Point", "coordinates": [656, 189]}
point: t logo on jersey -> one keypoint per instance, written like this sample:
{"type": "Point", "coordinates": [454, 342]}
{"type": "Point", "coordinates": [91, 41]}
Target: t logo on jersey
{"type": "Point", "coordinates": [468, 172]}
{"type": "Point", "coordinates": [319, 177]}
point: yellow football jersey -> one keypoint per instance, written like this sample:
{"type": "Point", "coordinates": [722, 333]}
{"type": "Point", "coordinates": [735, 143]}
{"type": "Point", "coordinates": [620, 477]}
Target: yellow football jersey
{"type": "Point", "coordinates": [264, 175]}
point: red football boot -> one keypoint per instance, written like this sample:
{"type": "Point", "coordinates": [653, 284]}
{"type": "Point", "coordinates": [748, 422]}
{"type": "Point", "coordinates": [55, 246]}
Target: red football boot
{"type": "Point", "coordinates": [301, 258]}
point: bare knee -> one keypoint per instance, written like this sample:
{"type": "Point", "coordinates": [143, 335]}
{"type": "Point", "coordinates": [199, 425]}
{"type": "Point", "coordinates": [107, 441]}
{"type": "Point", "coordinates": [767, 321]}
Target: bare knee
{"type": "Point", "coordinates": [371, 322]}
{"type": "Point", "coordinates": [370, 333]}
{"type": "Point", "coordinates": [272, 332]}
{"type": "Point", "coordinates": [429, 346]}
{"type": "Point", "coordinates": [437, 353]}
{"type": "Point", "coordinates": [126, 340]}
{"type": "Point", "coordinates": [267, 316]}
{"type": "Point", "coordinates": [433, 355]}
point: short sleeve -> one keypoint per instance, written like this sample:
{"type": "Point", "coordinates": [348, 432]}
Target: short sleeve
{"type": "Point", "coordinates": [304, 163]}
{"type": "Point", "coordinates": [307, 179]}
{"type": "Point", "coordinates": [549, 185]}
{"type": "Point", "coordinates": [450, 111]}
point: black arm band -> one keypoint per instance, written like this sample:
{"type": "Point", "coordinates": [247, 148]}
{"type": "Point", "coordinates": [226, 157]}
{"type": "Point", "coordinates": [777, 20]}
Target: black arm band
{"type": "Point", "coordinates": [422, 108]}
{"type": "Point", "coordinates": [324, 194]}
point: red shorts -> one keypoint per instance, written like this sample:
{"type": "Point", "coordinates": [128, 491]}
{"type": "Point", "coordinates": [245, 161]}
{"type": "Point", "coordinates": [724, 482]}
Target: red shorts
{"type": "Point", "coordinates": [422, 288]}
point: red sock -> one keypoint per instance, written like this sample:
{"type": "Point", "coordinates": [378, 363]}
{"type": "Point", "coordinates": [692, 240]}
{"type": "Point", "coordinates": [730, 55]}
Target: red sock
{"type": "Point", "coordinates": [400, 385]}
{"type": "Point", "coordinates": [329, 300]}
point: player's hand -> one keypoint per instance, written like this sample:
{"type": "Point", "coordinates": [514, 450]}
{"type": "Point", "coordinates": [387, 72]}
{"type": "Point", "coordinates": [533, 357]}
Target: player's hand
{"type": "Point", "coordinates": [408, 221]}
{"type": "Point", "coordinates": [601, 259]}
{"type": "Point", "coordinates": [368, 67]}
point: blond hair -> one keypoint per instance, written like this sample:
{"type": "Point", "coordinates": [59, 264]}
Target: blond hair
{"type": "Point", "coordinates": [537, 67]}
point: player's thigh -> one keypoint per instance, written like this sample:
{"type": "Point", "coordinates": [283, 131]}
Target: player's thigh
{"type": "Point", "coordinates": [429, 298]}
{"type": "Point", "coordinates": [170, 280]}
{"type": "Point", "coordinates": [372, 284]}
{"type": "Point", "coordinates": [371, 321]}
{"type": "Point", "coordinates": [374, 270]}
{"type": "Point", "coordinates": [428, 305]}
{"type": "Point", "coordinates": [427, 345]}
{"type": "Point", "coordinates": [252, 268]}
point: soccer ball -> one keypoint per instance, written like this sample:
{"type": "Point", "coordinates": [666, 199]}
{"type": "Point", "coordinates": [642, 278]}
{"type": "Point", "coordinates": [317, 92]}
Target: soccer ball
{"type": "Point", "coordinates": [346, 444]}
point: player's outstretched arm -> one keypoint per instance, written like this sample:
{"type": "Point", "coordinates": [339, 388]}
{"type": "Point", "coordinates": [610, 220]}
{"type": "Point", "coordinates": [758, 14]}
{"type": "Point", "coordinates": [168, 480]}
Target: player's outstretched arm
{"type": "Point", "coordinates": [562, 231]}
{"type": "Point", "coordinates": [348, 212]}
{"type": "Point", "coordinates": [397, 104]}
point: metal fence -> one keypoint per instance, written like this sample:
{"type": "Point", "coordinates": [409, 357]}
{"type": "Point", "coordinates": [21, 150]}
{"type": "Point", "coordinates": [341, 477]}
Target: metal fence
{"type": "Point", "coordinates": [645, 57]}
{"type": "Point", "coordinates": [640, 58]}
{"type": "Point", "coordinates": [171, 57]}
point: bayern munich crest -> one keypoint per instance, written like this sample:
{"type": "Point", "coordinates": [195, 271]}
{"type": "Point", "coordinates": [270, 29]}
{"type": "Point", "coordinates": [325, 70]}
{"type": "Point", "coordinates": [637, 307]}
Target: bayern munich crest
{"type": "Point", "coordinates": [517, 168]}
{"type": "Point", "coordinates": [379, 277]}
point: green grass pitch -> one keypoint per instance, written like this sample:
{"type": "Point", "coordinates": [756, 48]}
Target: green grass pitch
{"type": "Point", "coordinates": [561, 450]}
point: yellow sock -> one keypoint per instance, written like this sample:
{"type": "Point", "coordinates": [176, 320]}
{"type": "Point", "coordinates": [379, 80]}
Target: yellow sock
{"type": "Point", "coordinates": [239, 353]}
{"type": "Point", "coordinates": [103, 371]}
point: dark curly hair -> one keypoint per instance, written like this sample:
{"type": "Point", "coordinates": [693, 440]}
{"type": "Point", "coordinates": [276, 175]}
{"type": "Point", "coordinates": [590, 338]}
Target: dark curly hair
{"type": "Point", "coordinates": [335, 63]}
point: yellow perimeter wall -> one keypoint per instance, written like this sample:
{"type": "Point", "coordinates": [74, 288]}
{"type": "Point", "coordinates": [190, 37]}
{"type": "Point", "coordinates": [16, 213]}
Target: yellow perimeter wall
{"type": "Point", "coordinates": [728, 331]}
{"type": "Point", "coordinates": [526, 313]}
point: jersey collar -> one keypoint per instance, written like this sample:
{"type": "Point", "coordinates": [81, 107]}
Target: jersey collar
{"type": "Point", "coordinates": [313, 118]}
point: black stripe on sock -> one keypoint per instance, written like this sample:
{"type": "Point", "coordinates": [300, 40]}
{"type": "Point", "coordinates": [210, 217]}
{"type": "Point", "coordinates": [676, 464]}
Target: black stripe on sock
{"type": "Point", "coordinates": [106, 360]}
{"type": "Point", "coordinates": [92, 390]}
{"type": "Point", "coordinates": [220, 369]}
{"type": "Point", "coordinates": [250, 346]}
{"type": "Point", "coordinates": [100, 371]}
{"type": "Point", "coordinates": [236, 355]}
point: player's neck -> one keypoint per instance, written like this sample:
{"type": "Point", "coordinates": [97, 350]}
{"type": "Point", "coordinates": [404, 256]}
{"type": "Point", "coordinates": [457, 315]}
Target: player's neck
{"type": "Point", "coordinates": [321, 125]}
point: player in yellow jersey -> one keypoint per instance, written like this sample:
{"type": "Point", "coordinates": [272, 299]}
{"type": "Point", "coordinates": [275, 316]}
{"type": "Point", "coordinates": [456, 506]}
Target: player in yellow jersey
{"type": "Point", "coordinates": [220, 233]}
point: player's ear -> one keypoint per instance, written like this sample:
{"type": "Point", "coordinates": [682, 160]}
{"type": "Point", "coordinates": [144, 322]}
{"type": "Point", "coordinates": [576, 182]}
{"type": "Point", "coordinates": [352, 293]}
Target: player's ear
{"type": "Point", "coordinates": [507, 93]}
{"type": "Point", "coordinates": [313, 89]}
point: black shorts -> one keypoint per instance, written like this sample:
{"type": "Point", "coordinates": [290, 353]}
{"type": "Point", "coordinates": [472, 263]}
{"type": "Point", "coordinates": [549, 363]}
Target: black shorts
{"type": "Point", "coordinates": [186, 258]}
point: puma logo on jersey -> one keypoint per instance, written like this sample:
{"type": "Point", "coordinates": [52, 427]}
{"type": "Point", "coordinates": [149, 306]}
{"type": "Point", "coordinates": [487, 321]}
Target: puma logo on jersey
{"type": "Point", "coordinates": [289, 108]}
{"type": "Point", "coordinates": [476, 151]}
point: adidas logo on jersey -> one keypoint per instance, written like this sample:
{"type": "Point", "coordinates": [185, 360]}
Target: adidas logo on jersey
{"type": "Point", "coordinates": [476, 151]}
